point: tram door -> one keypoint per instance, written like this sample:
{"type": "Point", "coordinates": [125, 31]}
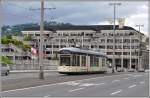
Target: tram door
{"type": "Point", "coordinates": [88, 62]}
{"type": "Point", "coordinates": [100, 62]}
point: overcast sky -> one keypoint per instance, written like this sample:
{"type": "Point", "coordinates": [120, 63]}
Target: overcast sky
{"type": "Point", "coordinates": [79, 12]}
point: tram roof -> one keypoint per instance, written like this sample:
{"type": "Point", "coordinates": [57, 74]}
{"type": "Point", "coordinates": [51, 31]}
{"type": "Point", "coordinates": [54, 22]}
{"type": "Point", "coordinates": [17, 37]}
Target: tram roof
{"type": "Point", "coordinates": [78, 50]}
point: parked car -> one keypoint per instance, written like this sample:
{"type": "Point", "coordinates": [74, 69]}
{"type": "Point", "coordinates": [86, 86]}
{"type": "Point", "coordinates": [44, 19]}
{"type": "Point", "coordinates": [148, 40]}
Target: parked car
{"type": "Point", "coordinates": [141, 70]}
{"type": "Point", "coordinates": [119, 69]}
{"type": "Point", "coordinates": [131, 70]}
{"type": "Point", "coordinates": [5, 69]}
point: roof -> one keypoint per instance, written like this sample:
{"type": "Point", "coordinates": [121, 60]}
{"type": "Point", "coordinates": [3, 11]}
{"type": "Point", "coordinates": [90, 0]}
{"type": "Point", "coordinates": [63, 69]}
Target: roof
{"type": "Point", "coordinates": [78, 50]}
{"type": "Point", "coordinates": [79, 27]}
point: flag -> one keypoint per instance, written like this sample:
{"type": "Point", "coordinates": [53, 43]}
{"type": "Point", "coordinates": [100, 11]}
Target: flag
{"type": "Point", "coordinates": [33, 51]}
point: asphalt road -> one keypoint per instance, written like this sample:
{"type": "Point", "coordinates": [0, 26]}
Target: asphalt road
{"type": "Point", "coordinates": [121, 85]}
{"type": "Point", "coordinates": [22, 75]}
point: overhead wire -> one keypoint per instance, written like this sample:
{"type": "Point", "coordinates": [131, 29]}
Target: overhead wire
{"type": "Point", "coordinates": [28, 9]}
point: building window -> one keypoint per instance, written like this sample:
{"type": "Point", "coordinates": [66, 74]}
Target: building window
{"type": "Point", "coordinates": [118, 47]}
{"type": "Point", "coordinates": [109, 40]}
{"type": "Point", "coordinates": [102, 47]}
{"type": "Point", "coordinates": [47, 52]}
{"type": "Point", "coordinates": [37, 34]}
{"type": "Point", "coordinates": [102, 40]}
{"type": "Point", "coordinates": [118, 53]}
{"type": "Point", "coordinates": [56, 46]}
{"type": "Point", "coordinates": [48, 46]}
{"type": "Point", "coordinates": [48, 58]}
{"type": "Point", "coordinates": [62, 46]}
{"type": "Point", "coordinates": [109, 53]}
{"type": "Point", "coordinates": [110, 34]}
{"type": "Point", "coordinates": [126, 53]}
{"type": "Point", "coordinates": [109, 47]}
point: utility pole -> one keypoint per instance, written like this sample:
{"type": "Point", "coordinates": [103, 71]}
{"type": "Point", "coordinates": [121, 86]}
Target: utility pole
{"type": "Point", "coordinates": [1, 19]}
{"type": "Point", "coordinates": [139, 53]}
{"type": "Point", "coordinates": [114, 27]}
{"type": "Point", "coordinates": [41, 72]}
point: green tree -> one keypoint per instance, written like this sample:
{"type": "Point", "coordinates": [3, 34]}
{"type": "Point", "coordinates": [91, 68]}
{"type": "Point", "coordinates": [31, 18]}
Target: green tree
{"type": "Point", "coordinates": [6, 40]}
{"type": "Point", "coordinates": [26, 47]}
{"type": "Point", "coordinates": [5, 60]}
{"type": "Point", "coordinates": [17, 42]}
{"type": "Point", "coordinates": [27, 38]}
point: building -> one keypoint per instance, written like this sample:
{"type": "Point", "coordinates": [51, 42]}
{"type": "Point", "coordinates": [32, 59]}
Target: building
{"type": "Point", "coordinates": [99, 37]}
{"type": "Point", "coordinates": [145, 55]}
{"type": "Point", "coordinates": [20, 58]}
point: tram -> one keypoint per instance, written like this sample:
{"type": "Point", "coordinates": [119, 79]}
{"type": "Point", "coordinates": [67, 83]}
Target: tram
{"type": "Point", "coordinates": [79, 61]}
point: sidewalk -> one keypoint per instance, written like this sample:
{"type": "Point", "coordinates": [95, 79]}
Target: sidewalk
{"type": "Point", "coordinates": [29, 71]}
{"type": "Point", "coordinates": [146, 70]}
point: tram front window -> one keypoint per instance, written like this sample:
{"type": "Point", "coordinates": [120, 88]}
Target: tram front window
{"type": "Point", "coordinates": [64, 60]}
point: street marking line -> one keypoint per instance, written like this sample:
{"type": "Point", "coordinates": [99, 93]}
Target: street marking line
{"type": "Point", "coordinates": [76, 89]}
{"type": "Point", "coordinates": [115, 81]}
{"type": "Point", "coordinates": [126, 78]}
{"type": "Point", "coordinates": [131, 86]}
{"type": "Point", "coordinates": [137, 75]}
{"type": "Point", "coordinates": [87, 84]}
{"type": "Point", "coordinates": [70, 83]}
{"type": "Point", "coordinates": [47, 96]}
{"type": "Point", "coordinates": [90, 84]}
{"type": "Point", "coordinates": [128, 74]}
{"type": "Point", "coordinates": [142, 82]}
{"type": "Point", "coordinates": [100, 84]}
{"type": "Point", "coordinates": [116, 92]}
{"type": "Point", "coordinates": [57, 83]}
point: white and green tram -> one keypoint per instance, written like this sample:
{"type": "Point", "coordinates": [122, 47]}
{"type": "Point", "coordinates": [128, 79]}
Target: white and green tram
{"type": "Point", "coordinates": [79, 61]}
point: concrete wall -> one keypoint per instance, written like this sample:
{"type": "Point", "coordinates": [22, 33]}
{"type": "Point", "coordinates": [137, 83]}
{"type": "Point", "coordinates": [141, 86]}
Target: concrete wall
{"type": "Point", "coordinates": [33, 65]}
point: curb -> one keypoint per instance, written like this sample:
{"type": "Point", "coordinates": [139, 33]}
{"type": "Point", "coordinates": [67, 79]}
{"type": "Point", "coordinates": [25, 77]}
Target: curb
{"type": "Point", "coordinates": [30, 71]}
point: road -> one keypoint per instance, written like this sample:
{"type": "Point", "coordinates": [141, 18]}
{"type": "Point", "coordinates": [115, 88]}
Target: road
{"type": "Point", "coordinates": [119, 85]}
{"type": "Point", "coordinates": [22, 75]}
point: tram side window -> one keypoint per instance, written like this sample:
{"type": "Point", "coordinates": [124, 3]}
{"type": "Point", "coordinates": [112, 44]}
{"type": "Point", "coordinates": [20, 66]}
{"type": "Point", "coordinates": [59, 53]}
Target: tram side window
{"type": "Point", "coordinates": [64, 61]}
{"type": "Point", "coordinates": [75, 60]}
{"type": "Point", "coordinates": [103, 62]}
{"type": "Point", "coordinates": [78, 60]}
{"type": "Point", "coordinates": [97, 61]}
{"type": "Point", "coordinates": [83, 60]}
{"type": "Point", "coordinates": [94, 60]}
{"type": "Point", "coordinates": [91, 61]}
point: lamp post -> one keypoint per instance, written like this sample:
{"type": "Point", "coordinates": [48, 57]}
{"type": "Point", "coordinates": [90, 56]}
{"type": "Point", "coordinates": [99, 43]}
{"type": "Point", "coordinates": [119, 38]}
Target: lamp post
{"type": "Point", "coordinates": [122, 55]}
{"type": "Point", "coordinates": [114, 27]}
{"type": "Point", "coordinates": [130, 34]}
{"type": "Point", "coordinates": [139, 36]}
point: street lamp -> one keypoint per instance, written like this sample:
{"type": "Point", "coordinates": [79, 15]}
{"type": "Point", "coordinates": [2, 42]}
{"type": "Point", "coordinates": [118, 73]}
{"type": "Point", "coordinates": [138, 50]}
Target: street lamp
{"type": "Point", "coordinates": [114, 27]}
{"type": "Point", "coordinates": [130, 34]}
{"type": "Point", "coordinates": [139, 36]}
{"type": "Point", "coordinates": [122, 54]}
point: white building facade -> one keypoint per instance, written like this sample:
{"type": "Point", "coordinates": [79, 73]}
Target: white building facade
{"type": "Point", "coordinates": [100, 37]}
